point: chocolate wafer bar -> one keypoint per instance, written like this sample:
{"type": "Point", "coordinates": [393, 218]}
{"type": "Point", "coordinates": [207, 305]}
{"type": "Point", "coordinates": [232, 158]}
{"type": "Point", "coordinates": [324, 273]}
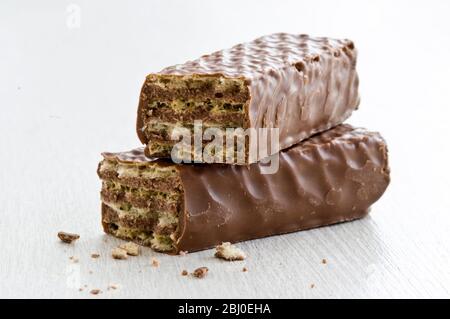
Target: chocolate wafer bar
{"type": "Point", "coordinates": [296, 83]}
{"type": "Point", "coordinates": [330, 178]}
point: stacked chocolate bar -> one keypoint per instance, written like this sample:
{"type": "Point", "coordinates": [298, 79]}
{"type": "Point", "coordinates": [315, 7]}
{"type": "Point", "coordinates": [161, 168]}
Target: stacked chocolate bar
{"type": "Point", "coordinates": [169, 197]}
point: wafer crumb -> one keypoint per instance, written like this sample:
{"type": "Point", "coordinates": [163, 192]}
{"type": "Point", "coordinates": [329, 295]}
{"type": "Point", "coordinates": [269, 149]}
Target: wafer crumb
{"type": "Point", "coordinates": [95, 255]}
{"type": "Point", "coordinates": [229, 252]}
{"type": "Point", "coordinates": [95, 291]}
{"type": "Point", "coordinates": [155, 262]}
{"type": "Point", "coordinates": [119, 253]}
{"type": "Point", "coordinates": [67, 238]}
{"type": "Point", "coordinates": [183, 253]}
{"type": "Point", "coordinates": [184, 272]}
{"type": "Point", "coordinates": [131, 248]}
{"type": "Point", "coordinates": [200, 272]}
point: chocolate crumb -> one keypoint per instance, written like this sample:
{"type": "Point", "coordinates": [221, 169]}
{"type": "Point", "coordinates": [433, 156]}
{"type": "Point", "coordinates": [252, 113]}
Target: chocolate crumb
{"type": "Point", "coordinates": [244, 269]}
{"type": "Point", "coordinates": [312, 286]}
{"type": "Point", "coordinates": [80, 289]}
{"type": "Point", "coordinates": [200, 272]}
{"type": "Point", "coordinates": [324, 261]}
{"type": "Point", "coordinates": [112, 287]}
{"type": "Point", "coordinates": [95, 291]}
{"type": "Point", "coordinates": [67, 238]}
{"type": "Point", "coordinates": [155, 262]}
{"type": "Point", "coordinates": [95, 255]}
{"type": "Point", "coordinates": [131, 248]}
{"type": "Point", "coordinates": [119, 253]}
{"type": "Point", "coordinates": [184, 273]}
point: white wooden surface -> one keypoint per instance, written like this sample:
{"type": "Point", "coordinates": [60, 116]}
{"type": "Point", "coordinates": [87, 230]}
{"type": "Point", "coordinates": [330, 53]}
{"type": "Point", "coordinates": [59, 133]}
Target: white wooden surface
{"type": "Point", "coordinates": [68, 92]}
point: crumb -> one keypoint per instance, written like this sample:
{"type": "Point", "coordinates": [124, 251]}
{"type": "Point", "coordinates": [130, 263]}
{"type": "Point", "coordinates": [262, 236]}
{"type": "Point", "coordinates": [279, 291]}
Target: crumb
{"type": "Point", "coordinates": [200, 272]}
{"type": "Point", "coordinates": [119, 253]}
{"type": "Point", "coordinates": [85, 286]}
{"type": "Point", "coordinates": [324, 261]}
{"type": "Point", "coordinates": [229, 252]}
{"type": "Point", "coordinates": [131, 248]}
{"type": "Point", "coordinates": [80, 289]}
{"type": "Point", "coordinates": [112, 287]}
{"type": "Point", "coordinates": [184, 273]}
{"type": "Point", "coordinates": [95, 255]}
{"type": "Point", "coordinates": [312, 286]}
{"type": "Point", "coordinates": [91, 272]}
{"type": "Point", "coordinates": [183, 253]}
{"type": "Point", "coordinates": [155, 262]}
{"type": "Point", "coordinates": [244, 269]}
{"type": "Point", "coordinates": [68, 238]}
{"type": "Point", "coordinates": [95, 291]}
{"type": "Point", "coordinates": [74, 259]}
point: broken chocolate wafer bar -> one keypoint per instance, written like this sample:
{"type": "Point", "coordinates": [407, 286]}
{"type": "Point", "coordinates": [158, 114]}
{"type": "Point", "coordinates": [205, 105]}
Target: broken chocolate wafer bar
{"type": "Point", "coordinates": [330, 178]}
{"type": "Point", "coordinates": [296, 83]}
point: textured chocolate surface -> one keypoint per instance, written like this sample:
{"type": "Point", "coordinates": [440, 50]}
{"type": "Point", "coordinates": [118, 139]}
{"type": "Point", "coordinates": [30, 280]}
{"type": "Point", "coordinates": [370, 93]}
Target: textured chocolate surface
{"type": "Point", "coordinates": [332, 177]}
{"type": "Point", "coordinates": [299, 84]}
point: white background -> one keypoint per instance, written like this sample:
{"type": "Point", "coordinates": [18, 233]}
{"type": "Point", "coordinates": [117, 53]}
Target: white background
{"type": "Point", "coordinates": [69, 93]}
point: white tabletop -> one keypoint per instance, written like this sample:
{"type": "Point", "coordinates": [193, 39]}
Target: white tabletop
{"type": "Point", "coordinates": [70, 76]}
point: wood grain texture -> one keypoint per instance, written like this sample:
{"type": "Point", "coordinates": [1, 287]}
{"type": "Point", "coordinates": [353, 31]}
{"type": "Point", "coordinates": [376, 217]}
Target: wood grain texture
{"type": "Point", "coordinates": [67, 94]}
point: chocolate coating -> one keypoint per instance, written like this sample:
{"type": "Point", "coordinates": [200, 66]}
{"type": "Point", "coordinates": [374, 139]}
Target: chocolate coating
{"type": "Point", "coordinates": [330, 178]}
{"type": "Point", "coordinates": [299, 84]}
